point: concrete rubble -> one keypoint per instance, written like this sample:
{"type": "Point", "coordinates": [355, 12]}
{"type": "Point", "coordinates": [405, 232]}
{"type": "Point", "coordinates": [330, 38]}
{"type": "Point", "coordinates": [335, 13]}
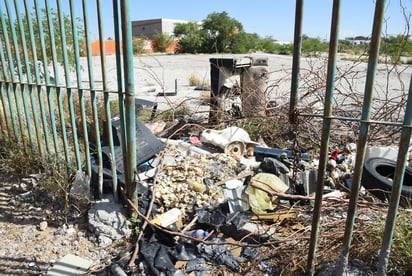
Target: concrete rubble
{"type": "Point", "coordinates": [107, 222]}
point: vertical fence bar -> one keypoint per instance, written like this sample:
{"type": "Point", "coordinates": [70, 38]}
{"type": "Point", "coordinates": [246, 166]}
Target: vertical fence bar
{"type": "Point", "coordinates": [47, 137]}
{"type": "Point", "coordinates": [57, 90]}
{"type": "Point", "coordinates": [120, 84]}
{"type": "Point", "coordinates": [68, 88]}
{"type": "Point", "coordinates": [107, 101]}
{"type": "Point", "coordinates": [363, 134]}
{"type": "Point", "coordinates": [4, 82]}
{"type": "Point", "coordinates": [80, 88]}
{"type": "Point", "coordinates": [12, 74]}
{"type": "Point", "coordinates": [3, 123]}
{"type": "Point", "coordinates": [28, 76]}
{"type": "Point", "coordinates": [397, 187]}
{"type": "Point", "coordinates": [38, 81]}
{"type": "Point", "coordinates": [93, 99]}
{"type": "Point", "coordinates": [5, 126]}
{"type": "Point", "coordinates": [18, 66]}
{"type": "Point", "coordinates": [131, 187]}
{"type": "Point", "coordinates": [330, 86]}
{"type": "Point", "coordinates": [297, 46]}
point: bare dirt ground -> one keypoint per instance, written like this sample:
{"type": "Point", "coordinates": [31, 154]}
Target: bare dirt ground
{"type": "Point", "coordinates": [34, 232]}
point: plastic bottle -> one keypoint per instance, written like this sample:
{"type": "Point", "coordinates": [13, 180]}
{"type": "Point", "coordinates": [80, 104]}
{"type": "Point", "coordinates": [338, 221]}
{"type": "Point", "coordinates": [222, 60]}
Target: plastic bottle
{"type": "Point", "coordinates": [199, 233]}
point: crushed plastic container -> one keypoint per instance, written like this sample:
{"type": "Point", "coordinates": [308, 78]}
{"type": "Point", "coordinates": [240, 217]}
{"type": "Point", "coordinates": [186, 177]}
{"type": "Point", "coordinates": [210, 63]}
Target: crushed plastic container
{"type": "Point", "coordinates": [168, 218]}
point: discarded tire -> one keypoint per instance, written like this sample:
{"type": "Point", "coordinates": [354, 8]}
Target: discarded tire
{"type": "Point", "coordinates": [377, 178]}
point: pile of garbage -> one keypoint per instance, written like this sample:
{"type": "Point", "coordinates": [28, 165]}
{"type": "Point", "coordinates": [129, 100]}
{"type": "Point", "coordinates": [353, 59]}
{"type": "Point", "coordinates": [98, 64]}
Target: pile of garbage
{"type": "Point", "coordinates": [203, 195]}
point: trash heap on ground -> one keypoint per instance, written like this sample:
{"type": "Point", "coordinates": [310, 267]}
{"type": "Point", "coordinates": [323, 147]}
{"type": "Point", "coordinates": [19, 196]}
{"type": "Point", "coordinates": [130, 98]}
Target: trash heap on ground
{"type": "Point", "coordinates": [215, 200]}
{"type": "Point", "coordinates": [213, 191]}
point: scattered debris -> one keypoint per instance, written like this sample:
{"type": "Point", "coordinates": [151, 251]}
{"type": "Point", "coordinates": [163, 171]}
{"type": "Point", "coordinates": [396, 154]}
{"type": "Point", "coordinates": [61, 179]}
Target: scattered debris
{"type": "Point", "coordinates": [43, 225]}
{"type": "Point", "coordinates": [215, 190]}
{"type": "Point", "coordinates": [70, 265]}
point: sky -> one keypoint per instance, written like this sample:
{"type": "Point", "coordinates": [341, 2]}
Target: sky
{"type": "Point", "coordinates": [274, 18]}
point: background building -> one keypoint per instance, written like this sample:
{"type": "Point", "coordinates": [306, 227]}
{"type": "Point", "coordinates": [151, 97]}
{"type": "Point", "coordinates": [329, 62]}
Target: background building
{"type": "Point", "coordinates": [148, 28]}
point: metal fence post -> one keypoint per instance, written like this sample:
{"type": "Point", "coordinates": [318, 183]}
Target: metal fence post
{"type": "Point", "coordinates": [131, 188]}
{"type": "Point", "coordinates": [397, 187]}
{"type": "Point", "coordinates": [363, 134]}
{"type": "Point", "coordinates": [297, 47]}
{"type": "Point", "coordinates": [68, 84]}
{"type": "Point", "coordinates": [330, 86]}
{"type": "Point", "coordinates": [93, 99]}
{"type": "Point", "coordinates": [80, 89]}
{"type": "Point", "coordinates": [107, 101]}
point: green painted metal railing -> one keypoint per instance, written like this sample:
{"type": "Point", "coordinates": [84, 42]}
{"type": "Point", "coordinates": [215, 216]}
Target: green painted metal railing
{"type": "Point", "coordinates": [365, 123]}
{"type": "Point", "coordinates": [45, 114]}
{"type": "Point", "coordinates": [46, 105]}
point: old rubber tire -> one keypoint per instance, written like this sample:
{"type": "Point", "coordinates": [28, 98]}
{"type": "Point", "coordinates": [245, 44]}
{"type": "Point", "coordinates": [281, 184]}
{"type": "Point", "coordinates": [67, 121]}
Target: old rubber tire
{"type": "Point", "coordinates": [377, 177]}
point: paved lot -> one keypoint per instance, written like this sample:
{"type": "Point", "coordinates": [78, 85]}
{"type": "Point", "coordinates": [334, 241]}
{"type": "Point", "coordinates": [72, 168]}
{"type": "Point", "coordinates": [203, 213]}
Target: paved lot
{"type": "Point", "coordinates": [160, 73]}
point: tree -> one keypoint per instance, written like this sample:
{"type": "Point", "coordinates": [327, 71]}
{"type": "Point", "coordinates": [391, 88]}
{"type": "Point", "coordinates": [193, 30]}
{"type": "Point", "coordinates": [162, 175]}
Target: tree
{"type": "Point", "coordinates": [220, 31]}
{"type": "Point", "coordinates": [189, 36]}
{"type": "Point", "coordinates": [46, 35]}
{"type": "Point", "coordinates": [162, 42]}
{"type": "Point", "coordinates": [244, 42]}
{"type": "Point", "coordinates": [138, 45]}
{"type": "Point", "coordinates": [396, 46]}
{"type": "Point", "coordinates": [314, 46]}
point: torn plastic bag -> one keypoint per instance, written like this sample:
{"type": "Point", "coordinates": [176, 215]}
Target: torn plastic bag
{"type": "Point", "coordinates": [260, 201]}
{"type": "Point", "coordinates": [197, 265]}
{"type": "Point", "coordinates": [218, 253]}
{"type": "Point", "coordinates": [236, 228]}
{"type": "Point", "coordinates": [273, 165]}
{"type": "Point", "coordinates": [157, 258]}
{"type": "Point", "coordinates": [185, 251]}
{"type": "Point", "coordinates": [213, 218]}
{"type": "Point", "coordinates": [250, 253]}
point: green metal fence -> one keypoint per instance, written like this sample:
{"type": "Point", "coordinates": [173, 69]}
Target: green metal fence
{"type": "Point", "coordinates": [49, 109]}
{"type": "Point", "coordinates": [51, 103]}
{"type": "Point", "coordinates": [365, 123]}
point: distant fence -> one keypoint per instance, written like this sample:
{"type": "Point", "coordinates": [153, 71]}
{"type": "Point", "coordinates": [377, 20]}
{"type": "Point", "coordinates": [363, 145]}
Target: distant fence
{"type": "Point", "coordinates": [52, 112]}
{"type": "Point", "coordinates": [110, 47]}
